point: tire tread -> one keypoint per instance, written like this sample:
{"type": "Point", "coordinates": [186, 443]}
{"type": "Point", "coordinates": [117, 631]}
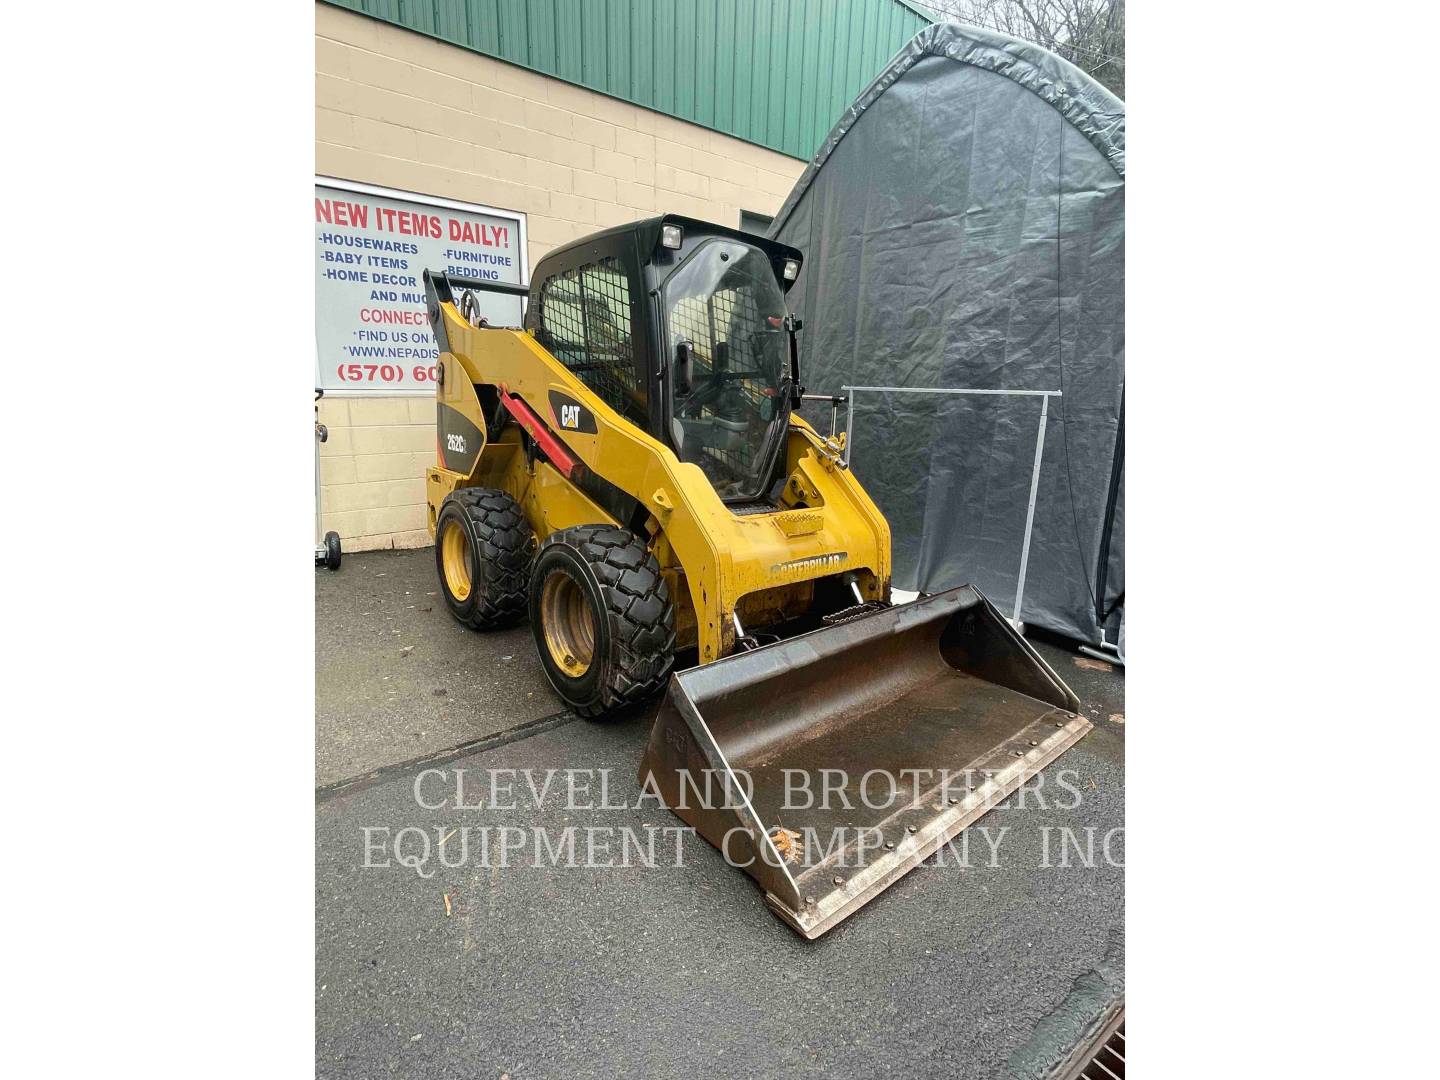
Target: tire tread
{"type": "Point", "coordinates": [641, 614]}
{"type": "Point", "coordinates": [501, 585]}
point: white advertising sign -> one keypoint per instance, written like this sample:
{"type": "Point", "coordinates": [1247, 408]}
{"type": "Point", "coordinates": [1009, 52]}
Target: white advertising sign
{"type": "Point", "coordinates": [372, 246]}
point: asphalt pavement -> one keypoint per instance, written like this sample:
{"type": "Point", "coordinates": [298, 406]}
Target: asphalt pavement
{"type": "Point", "coordinates": [449, 943]}
{"type": "Point", "coordinates": [397, 678]}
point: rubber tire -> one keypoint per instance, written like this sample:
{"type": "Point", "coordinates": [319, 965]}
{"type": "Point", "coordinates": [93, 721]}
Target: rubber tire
{"type": "Point", "coordinates": [634, 617]}
{"type": "Point", "coordinates": [332, 551]}
{"type": "Point", "coordinates": [501, 545]}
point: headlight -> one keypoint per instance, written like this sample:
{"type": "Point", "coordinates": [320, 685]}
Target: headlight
{"type": "Point", "coordinates": [671, 236]}
{"type": "Point", "coordinates": [792, 269]}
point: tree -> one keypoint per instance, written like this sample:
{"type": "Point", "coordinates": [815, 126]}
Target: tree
{"type": "Point", "coordinates": [1088, 33]}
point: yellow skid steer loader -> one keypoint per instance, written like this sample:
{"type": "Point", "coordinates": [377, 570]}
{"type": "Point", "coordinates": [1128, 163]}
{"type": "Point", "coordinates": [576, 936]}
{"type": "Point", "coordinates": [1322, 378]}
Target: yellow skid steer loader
{"type": "Point", "coordinates": [629, 472]}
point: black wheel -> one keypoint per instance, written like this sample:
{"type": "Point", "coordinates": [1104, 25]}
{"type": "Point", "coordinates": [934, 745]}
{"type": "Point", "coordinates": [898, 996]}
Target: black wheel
{"type": "Point", "coordinates": [602, 618]}
{"type": "Point", "coordinates": [483, 546]}
{"type": "Point", "coordinates": [332, 551]}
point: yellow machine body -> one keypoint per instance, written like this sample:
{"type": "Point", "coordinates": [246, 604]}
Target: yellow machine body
{"type": "Point", "coordinates": [718, 564]}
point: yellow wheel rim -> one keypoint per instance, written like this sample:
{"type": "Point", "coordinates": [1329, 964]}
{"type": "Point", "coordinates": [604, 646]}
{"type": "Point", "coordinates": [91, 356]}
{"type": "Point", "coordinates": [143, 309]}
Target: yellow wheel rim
{"type": "Point", "coordinates": [568, 623]}
{"type": "Point", "coordinates": [455, 558]}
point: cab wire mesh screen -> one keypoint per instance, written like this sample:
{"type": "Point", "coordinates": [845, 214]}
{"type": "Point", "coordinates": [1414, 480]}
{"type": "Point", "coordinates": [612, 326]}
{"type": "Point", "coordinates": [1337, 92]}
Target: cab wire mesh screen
{"type": "Point", "coordinates": [585, 323]}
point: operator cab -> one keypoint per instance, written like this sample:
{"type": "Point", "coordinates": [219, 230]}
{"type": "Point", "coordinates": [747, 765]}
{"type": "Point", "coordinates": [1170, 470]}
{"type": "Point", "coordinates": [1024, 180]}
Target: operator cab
{"type": "Point", "coordinates": [682, 327]}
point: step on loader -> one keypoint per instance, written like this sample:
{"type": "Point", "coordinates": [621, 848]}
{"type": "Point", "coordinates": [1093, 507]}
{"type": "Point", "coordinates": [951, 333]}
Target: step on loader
{"type": "Point", "coordinates": [629, 472]}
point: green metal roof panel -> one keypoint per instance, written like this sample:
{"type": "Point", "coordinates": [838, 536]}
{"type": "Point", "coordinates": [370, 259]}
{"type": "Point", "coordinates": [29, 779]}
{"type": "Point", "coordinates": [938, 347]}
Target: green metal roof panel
{"type": "Point", "coordinates": [774, 72]}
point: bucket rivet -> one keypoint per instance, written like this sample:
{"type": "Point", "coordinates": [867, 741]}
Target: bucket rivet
{"type": "Point", "coordinates": [1071, 715]}
{"type": "Point", "coordinates": [909, 828]}
{"type": "Point", "coordinates": [809, 901]}
{"type": "Point", "coordinates": [890, 845]}
{"type": "Point", "coordinates": [1060, 723]}
{"type": "Point", "coordinates": [953, 800]}
{"type": "Point", "coordinates": [838, 880]}
{"type": "Point", "coordinates": [1034, 742]}
{"type": "Point", "coordinates": [1019, 753]}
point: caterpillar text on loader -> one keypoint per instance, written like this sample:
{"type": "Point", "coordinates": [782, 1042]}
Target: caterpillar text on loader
{"type": "Point", "coordinates": [629, 472]}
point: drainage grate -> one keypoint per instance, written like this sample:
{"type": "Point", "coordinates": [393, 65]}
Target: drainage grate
{"type": "Point", "coordinates": [1108, 1063]}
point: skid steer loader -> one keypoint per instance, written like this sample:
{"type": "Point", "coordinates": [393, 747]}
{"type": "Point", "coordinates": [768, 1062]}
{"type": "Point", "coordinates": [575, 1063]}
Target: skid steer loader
{"type": "Point", "coordinates": [629, 472]}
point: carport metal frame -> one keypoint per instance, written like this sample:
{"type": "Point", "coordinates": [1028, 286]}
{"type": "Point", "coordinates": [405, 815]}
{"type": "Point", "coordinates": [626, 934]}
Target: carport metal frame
{"type": "Point", "coordinates": [1043, 395]}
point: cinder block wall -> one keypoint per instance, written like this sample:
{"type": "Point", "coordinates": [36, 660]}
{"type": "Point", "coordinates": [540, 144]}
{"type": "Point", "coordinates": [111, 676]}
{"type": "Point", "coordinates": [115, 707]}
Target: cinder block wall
{"type": "Point", "coordinates": [406, 111]}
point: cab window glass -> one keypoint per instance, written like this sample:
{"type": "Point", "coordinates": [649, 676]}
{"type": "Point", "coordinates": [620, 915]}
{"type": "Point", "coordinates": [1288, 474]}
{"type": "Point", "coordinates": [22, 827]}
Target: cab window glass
{"type": "Point", "coordinates": [725, 309]}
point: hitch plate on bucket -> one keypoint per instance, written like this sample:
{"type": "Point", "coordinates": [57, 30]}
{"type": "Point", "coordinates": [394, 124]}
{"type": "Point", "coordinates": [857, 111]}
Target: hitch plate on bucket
{"type": "Point", "coordinates": [829, 765]}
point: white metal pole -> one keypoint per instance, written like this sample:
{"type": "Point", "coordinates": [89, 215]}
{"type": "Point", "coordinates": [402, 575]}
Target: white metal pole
{"type": "Point", "coordinates": [1030, 510]}
{"type": "Point", "coordinates": [315, 435]}
{"type": "Point", "coordinates": [849, 422]}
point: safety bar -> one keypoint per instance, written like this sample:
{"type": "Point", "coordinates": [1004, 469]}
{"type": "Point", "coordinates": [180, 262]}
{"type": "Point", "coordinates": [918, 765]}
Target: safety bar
{"type": "Point", "coordinates": [443, 286]}
{"type": "Point", "coordinates": [439, 289]}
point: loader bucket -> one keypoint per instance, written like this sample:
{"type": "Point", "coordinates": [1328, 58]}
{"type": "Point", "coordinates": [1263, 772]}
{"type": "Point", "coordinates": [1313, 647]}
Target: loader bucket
{"type": "Point", "coordinates": [829, 765]}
